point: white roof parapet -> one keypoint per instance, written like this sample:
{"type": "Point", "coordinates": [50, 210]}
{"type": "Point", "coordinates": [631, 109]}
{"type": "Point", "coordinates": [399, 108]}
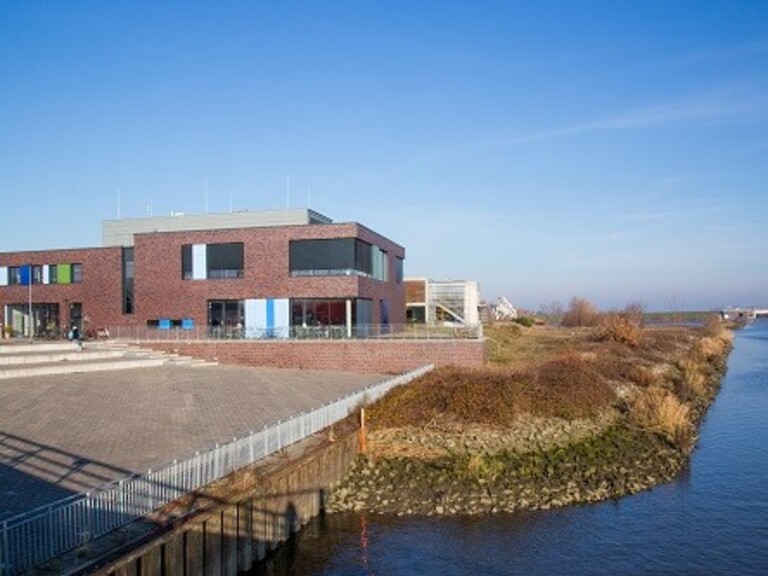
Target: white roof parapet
{"type": "Point", "coordinates": [119, 232]}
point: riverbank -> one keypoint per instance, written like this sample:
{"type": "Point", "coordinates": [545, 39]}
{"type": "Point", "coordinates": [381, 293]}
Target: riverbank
{"type": "Point", "coordinates": [563, 416]}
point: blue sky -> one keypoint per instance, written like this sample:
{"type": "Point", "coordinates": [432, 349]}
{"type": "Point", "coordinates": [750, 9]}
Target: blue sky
{"type": "Point", "coordinates": [616, 151]}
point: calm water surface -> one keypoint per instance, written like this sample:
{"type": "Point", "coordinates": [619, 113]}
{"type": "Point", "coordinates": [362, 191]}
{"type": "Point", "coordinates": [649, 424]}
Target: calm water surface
{"type": "Point", "coordinates": [712, 520]}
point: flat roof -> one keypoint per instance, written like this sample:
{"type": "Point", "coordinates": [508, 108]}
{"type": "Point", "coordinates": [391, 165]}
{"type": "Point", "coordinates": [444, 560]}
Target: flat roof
{"type": "Point", "coordinates": [120, 232]}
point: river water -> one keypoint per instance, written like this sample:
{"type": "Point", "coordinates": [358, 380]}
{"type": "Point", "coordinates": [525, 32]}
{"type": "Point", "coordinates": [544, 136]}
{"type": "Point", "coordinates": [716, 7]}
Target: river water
{"type": "Point", "coordinates": [713, 519]}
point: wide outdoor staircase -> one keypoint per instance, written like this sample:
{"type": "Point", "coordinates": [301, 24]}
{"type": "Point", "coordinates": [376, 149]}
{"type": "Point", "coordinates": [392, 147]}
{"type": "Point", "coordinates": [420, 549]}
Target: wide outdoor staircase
{"type": "Point", "coordinates": [19, 360]}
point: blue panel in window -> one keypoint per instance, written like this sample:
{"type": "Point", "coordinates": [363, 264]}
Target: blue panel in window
{"type": "Point", "coordinates": [26, 274]}
{"type": "Point", "coordinates": [187, 324]}
{"type": "Point", "coordinates": [164, 324]}
{"type": "Point", "coordinates": [270, 313]}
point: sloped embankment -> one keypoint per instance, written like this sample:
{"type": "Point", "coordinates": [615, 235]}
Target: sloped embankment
{"type": "Point", "coordinates": [584, 419]}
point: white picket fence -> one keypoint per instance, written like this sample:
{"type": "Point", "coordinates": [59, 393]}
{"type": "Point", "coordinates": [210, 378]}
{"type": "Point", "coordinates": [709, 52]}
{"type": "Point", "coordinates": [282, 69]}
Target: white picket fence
{"type": "Point", "coordinates": [40, 535]}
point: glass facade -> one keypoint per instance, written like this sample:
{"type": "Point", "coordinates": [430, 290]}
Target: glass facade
{"type": "Point", "coordinates": [338, 257]}
{"type": "Point", "coordinates": [225, 313]}
{"type": "Point", "coordinates": [318, 312]}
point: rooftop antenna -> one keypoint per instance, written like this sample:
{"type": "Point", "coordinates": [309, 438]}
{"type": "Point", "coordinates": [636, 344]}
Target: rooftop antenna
{"type": "Point", "coordinates": [288, 191]}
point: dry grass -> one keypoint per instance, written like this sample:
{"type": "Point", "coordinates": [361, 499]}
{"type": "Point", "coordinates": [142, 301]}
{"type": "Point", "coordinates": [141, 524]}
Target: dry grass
{"type": "Point", "coordinates": [712, 346]}
{"type": "Point", "coordinates": [661, 411]}
{"type": "Point", "coordinates": [622, 328]}
{"type": "Point", "coordinates": [693, 379]}
{"type": "Point", "coordinates": [569, 373]}
{"type": "Point", "coordinates": [514, 346]}
{"type": "Point", "coordinates": [645, 377]}
{"type": "Point", "coordinates": [565, 387]}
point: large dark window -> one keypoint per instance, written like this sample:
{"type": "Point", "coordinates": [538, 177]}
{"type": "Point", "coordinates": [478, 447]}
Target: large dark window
{"type": "Point", "coordinates": [186, 261]}
{"type": "Point", "coordinates": [308, 312]}
{"type": "Point", "coordinates": [15, 275]}
{"type": "Point", "coordinates": [226, 317]}
{"type": "Point", "coordinates": [225, 260]}
{"type": "Point", "coordinates": [399, 270]}
{"type": "Point", "coordinates": [330, 257]}
{"type": "Point", "coordinates": [77, 273]}
{"type": "Point", "coordinates": [127, 280]}
{"type": "Point", "coordinates": [221, 261]}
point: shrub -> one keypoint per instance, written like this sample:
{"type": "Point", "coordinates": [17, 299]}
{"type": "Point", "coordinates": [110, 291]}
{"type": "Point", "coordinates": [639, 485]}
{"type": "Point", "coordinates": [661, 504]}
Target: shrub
{"type": "Point", "coordinates": [454, 394]}
{"type": "Point", "coordinates": [568, 387]}
{"type": "Point", "coordinates": [661, 411]}
{"type": "Point", "coordinates": [525, 321]}
{"type": "Point", "coordinates": [709, 347]}
{"type": "Point", "coordinates": [622, 328]}
{"type": "Point", "coordinates": [645, 377]}
{"type": "Point", "coordinates": [581, 312]}
{"type": "Point", "coordinates": [713, 326]}
{"type": "Point", "coordinates": [693, 379]}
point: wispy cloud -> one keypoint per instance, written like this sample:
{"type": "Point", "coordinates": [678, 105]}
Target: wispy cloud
{"type": "Point", "coordinates": [722, 105]}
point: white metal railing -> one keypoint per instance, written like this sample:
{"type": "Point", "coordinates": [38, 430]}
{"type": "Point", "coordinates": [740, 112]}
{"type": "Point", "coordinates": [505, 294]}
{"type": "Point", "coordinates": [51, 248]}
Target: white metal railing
{"type": "Point", "coordinates": [42, 534]}
{"type": "Point", "coordinates": [334, 332]}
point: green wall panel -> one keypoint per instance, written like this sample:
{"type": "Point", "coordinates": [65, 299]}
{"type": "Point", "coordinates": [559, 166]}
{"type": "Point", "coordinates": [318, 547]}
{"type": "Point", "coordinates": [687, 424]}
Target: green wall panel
{"type": "Point", "coordinates": [64, 273]}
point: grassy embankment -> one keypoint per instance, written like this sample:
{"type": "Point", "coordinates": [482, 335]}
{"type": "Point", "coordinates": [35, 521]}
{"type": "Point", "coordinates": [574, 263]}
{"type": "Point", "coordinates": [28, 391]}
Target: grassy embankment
{"type": "Point", "coordinates": [560, 416]}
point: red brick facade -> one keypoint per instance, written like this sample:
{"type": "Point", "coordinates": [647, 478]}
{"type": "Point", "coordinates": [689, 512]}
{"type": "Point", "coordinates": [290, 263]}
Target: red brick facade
{"type": "Point", "coordinates": [100, 291]}
{"type": "Point", "coordinates": [373, 356]}
{"type": "Point", "coordinates": [160, 291]}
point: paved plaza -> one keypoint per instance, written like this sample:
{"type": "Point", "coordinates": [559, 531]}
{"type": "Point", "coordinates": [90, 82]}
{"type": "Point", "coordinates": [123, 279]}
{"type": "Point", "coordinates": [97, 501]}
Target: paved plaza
{"type": "Point", "coordinates": [65, 433]}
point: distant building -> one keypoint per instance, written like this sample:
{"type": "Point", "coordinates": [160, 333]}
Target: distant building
{"type": "Point", "coordinates": [504, 310]}
{"type": "Point", "coordinates": [442, 301]}
{"type": "Point", "coordinates": [257, 273]}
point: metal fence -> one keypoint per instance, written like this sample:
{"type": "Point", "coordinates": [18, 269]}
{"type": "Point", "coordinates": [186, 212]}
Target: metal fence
{"type": "Point", "coordinates": [47, 532]}
{"type": "Point", "coordinates": [360, 331]}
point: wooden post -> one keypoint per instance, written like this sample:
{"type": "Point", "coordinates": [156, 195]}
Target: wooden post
{"type": "Point", "coordinates": [362, 435]}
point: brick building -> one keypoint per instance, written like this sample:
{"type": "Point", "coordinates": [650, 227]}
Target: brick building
{"type": "Point", "coordinates": [253, 274]}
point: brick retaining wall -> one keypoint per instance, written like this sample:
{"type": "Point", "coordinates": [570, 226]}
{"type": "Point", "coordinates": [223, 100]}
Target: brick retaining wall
{"type": "Point", "coordinates": [377, 356]}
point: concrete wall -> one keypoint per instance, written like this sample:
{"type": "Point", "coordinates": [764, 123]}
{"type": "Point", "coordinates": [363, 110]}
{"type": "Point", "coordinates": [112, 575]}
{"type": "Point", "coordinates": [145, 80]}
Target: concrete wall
{"type": "Point", "coordinates": [231, 537]}
{"type": "Point", "coordinates": [372, 356]}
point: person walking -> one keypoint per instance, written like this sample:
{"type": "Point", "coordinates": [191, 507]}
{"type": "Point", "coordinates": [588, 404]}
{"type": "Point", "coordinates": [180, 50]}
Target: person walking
{"type": "Point", "coordinates": [74, 335]}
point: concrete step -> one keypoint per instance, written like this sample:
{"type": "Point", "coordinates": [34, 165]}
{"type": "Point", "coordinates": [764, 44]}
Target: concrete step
{"type": "Point", "coordinates": [13, 347]}
{"type": "Point", "coordinates": [104, 365]}
{"type": "Point", "coordinates": [171, 357]}
{"type": "Point", "coordinates": [50, 357]}
{"type": "Point", "coordinates": [19, 360]}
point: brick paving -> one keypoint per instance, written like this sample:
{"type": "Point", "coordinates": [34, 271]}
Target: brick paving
{"type": "Point", "coordinates": [66, 433]}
